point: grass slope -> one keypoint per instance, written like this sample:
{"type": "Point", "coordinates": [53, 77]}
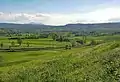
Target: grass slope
{"type": "Point", "coordinates": [100, 63]}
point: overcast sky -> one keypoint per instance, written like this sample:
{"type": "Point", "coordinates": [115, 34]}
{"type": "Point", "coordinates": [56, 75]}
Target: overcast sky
{"type": "Point", "coordinates": [59, 12]}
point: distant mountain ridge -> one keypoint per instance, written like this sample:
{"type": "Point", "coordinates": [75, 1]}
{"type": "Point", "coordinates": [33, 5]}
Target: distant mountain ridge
{"type": "Point", "coordinates": [78, 25]}
{"type": "Point", "coordinates": [33, 26]}
{"type": "Point", "coordinates": [104, 25]}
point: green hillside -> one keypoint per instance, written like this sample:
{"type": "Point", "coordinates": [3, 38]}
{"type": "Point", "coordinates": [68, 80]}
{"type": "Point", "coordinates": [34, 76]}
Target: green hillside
{"type": "Point", "coordinates": [95, 63]}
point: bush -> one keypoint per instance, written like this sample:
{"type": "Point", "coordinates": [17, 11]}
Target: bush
{"type": "Point", "coordinates": [43, 36]}
{"type": "Point", "coordinates": [75, 44]}
{"type": "Point", "coordinates": [93, 42]}
{"type": "Point", "coordinates": [19, 41]}
{"type": "Point", "coordinates": [12, 43]}
{"type": "Point", "coordinates": [68, 46]}
{"type": "Point", "coordinates": [96, 42]}
{"type": "Point", "coordinates": [80, 41]}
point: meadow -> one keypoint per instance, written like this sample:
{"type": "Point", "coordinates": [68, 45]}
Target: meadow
{"type": "Point", "coordinates": [93, 63]}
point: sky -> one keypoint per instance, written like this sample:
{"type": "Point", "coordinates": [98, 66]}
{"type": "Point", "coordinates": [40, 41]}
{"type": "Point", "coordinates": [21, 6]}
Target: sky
{"type": "Point", "coordinates": [59, 12]}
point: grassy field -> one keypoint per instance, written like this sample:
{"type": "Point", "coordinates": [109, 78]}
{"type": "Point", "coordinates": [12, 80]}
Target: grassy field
{"type": "Point", "coordinates": [34, 42]}
{"type": "Point", "coordinates": [98, 63]}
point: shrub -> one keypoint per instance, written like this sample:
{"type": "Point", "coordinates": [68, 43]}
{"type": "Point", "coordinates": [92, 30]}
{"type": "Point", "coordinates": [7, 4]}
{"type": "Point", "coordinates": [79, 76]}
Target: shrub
{"type": "Point", "coordinates": [19, 41]}
{"type": "Point", "coordinates": [12, 43]}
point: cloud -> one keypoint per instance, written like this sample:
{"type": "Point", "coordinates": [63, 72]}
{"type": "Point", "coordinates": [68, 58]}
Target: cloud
{"type": "Point", "coordinates": [97, 16]}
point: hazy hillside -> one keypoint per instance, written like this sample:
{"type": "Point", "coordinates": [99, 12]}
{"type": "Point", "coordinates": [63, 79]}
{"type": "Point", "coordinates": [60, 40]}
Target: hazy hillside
{"type": "Point", "coordinates": [102, 25]}
{"type": "Point", "coordinates": [74, 27]}
{"type": "Point", "coordinates": [31, 25]}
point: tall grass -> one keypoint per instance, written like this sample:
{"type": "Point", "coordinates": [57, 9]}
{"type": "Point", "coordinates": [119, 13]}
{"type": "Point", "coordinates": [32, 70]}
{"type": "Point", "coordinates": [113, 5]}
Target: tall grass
{"type": "Point", "coordinates": [98, 64]}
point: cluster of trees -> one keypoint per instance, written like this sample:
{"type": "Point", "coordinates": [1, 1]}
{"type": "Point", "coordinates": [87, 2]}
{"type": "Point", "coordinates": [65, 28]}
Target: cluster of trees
{"type": "Point", "coordinates": [19, 41]}
{"type": "Point", "coordinates": [96, 42]}
{"type": "Point", "coordinates": [13, 32]}
{"type": "Point", "coordinates": [44, 35]}
{"type": "Point", "coordinates": [2, 31]}
{"type": "Point", "coordinates": [95, 33]}
{"type": "Point", "coordinates": [56, 36]}
{"type": "Point", "coordinates": [60, 37]}
{"type": "Point", "coordinates": [29, 36]}
{"type": "Point", "coordinates": [67, 37]}
{"type": "Point", "coordinates": [13, 44]}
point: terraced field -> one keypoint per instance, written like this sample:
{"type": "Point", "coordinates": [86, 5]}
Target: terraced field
{"type": "Point", "coordinates": [34, 42]}
{"type": "Point", "coordinates": [99, 63]}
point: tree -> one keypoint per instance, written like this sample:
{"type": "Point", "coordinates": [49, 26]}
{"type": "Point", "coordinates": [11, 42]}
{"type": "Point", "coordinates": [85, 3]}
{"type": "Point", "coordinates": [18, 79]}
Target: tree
{"type": "Point", "coordinates": [1, 45]}
{"type": "Point", "coordinates": [54, 36]}
{"type": "Point", "coordinates": [28, 44]}
{"type": "Point", "coordinates": [19, 41]}
{"type": "Point", "coordinates": [84, 37]}
{"type": "Point", "coordinates": [61, 38]}
{"type": "Point", "coordinates": [66, 47]}
{"type": "Point", "coordinates": [70, 46]}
